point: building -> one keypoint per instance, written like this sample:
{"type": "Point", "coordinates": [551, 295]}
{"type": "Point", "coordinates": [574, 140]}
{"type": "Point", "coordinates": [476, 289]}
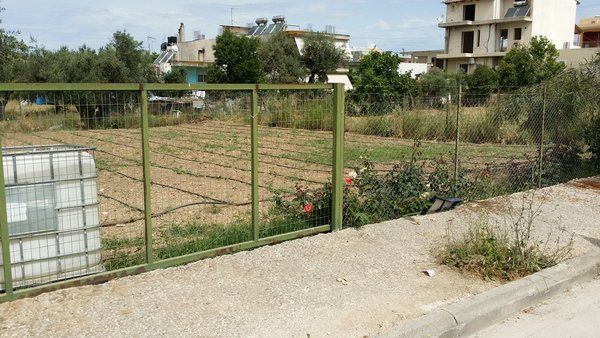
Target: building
{"type": "Point", "coordinates": [588, 32]}
{"type": "Point", "coordinates": [429, 57]}
{"type": "Point", "coordinates": [194, 56]}
{"type": "Point", "coordinates": [197, 55]}
{"type": "Point", "coordinates": [481, 32]}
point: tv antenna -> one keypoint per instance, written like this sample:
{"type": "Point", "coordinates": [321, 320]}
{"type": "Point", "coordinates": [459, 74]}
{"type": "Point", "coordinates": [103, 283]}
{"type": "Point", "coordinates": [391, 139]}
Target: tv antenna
{"type": "Point", "coordinates": [149, 38]}
{"type": "Point", "coordinates": [231, 13]}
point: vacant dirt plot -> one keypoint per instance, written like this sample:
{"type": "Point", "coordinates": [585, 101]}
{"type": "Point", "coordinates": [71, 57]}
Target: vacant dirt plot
{"type": "Point", "coordinates": [201, 173]}
{"type": "Point", "coordinates": [346, 284]}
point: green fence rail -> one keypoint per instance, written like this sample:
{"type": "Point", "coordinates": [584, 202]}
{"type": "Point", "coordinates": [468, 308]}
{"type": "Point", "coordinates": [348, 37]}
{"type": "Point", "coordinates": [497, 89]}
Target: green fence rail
{"type": "Point", "coordinates": [188, 172]}
{"type": "Point", "coordinates": [53, 96]}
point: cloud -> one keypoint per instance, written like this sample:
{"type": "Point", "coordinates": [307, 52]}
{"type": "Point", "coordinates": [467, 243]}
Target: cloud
{"type": "Point", "coordinates": [391, 24]}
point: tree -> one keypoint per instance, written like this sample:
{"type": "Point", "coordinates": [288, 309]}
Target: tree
{"type": "Point", "coordinates": [135, 63]}
{"type": "Point", "coordinates": [12, 53]}
{"type": "Point", "coordinates": [176, 75]}
{"type": "Point", "coordinates": [379, 84]}
{"type": "Point", "coordinates": [321, 56]}
{"type": "Point", "coordinates": [436, 83]}
{"type": "Point", "coordinates": [530, 64]}
{"type": "Point", "coordinates": [236, 60]}
{"type": "Point", "coordinates": [481, 84]}
{"type": "Point", "coordinates": [280, 59]}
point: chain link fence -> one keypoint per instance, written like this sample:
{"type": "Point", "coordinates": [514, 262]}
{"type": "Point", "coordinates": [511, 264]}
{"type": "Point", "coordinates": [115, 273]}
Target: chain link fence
{"type": "Point", "coordinates": [404, 151]}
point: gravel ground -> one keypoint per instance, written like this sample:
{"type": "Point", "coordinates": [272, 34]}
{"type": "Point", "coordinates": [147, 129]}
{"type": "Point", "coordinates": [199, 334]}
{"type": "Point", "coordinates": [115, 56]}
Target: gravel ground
{"type": "Point", "coordinates": [350, 283]}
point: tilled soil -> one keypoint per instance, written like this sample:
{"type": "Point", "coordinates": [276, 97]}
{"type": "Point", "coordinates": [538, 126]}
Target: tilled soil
{"type": "Point", "coordinates": [346, 284]}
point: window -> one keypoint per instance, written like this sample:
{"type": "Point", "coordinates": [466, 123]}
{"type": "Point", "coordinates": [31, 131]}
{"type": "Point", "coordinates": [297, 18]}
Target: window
{"type": "Point", "coordinates": [464, 67]}
{"type": "Point", "coordinates": [518, 34]}
{"type": "Point", "coordinates": [469, 13]}
{"type": "Point", "coordinates": [503, 40]}
{"type": "Point", "coordinates": [467, 41]}
{"type": "Point", "coordinates": [478, 38]}
{"type": "Point", "coordinates": [201, 78]}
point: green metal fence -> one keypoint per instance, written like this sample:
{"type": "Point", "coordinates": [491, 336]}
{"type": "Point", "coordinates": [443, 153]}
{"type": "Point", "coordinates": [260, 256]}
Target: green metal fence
{"type": "Point", "coordinates": [182, 172]}
{"type": "Point", "coordinates": [157, 175]}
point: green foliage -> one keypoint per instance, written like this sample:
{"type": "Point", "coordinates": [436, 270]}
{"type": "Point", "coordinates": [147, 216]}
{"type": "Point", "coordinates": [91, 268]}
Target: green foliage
{"type": "Point", "coordinates": [236, 60]}
{"type": "Point", "coordinates": [437, 83]}
{"type": "Point", "coordinates": [530, 64]}
{"type": "Point", "coordinates": [280, 59]}
{"type": "Point", "coordinates": [379, 84]}
{"type": "Point", "coordinates": [481, 84]}
{"type": "Point", "coordinates": [176, 75]}
{"type": "Point", "coordinates": [321, 56]}
{"type": "Point", "coordinates": [505, 254]}
{"type": "Point", "coordinates": [571, 104]}
{"type": "Point", "coordinates": [12, 53]}
{"type": "Point", "coordinates": [122, 60]}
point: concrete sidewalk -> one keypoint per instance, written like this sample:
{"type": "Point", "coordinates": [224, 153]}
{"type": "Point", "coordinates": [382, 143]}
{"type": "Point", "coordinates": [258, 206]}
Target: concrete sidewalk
{"type": "Point", "coordinates": [575, 313]}
{"type": "Point", "coordinates": [347, 284]}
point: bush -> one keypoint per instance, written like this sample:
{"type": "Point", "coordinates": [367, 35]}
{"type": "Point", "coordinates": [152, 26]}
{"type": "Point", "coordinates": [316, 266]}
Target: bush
{"type": "Point", "coordinates": [504, 254]}
{"type": "Point", "coordinates": [481, 85]}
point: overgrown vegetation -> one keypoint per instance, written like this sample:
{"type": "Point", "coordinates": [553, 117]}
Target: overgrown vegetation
{"type": "Point", "coordinates": [505, 252]}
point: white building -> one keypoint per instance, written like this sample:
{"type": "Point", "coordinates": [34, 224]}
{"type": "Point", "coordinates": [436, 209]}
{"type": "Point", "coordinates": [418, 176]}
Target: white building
{"type": "Point", "coordinates": [481, 32]}
{"type": "Point", "coordinates": [195, 56]}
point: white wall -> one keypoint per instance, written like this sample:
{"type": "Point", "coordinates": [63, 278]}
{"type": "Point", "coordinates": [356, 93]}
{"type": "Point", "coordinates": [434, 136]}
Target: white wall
{"type": "Point", "coordinates": [484, 10]}
{"type": "Point", "coordinates": [188, 51]}
{"type": "Point", "coordinates": [415, 68]}
{"type": "Point", "coordinates": [575, 57]}
{"type": "Point", "coordinates": [554, 19]}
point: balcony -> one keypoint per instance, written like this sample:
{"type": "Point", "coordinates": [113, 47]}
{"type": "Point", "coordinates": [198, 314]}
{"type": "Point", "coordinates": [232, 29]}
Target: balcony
{"type": "Point", "coordinates": [484, 22]}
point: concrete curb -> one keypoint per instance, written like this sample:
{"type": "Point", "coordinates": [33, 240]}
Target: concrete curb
{"type": "Point", "coordinates": [472, 315]}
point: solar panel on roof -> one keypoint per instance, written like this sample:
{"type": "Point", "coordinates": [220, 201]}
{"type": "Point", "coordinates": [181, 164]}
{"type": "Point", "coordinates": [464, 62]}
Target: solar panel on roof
{"type": "Point", "coordinates": [279, 27]}
{"type": "Point", "coordinates": [511, 12]}
{"type": "Point", "coordinates": [164, 57]}
{"type": "Point", "coordinates": [259, 30]}
{"type": "Point", "coordinates": [252, 30]}
{"type": "Point", "coordinates": [523, 11]}
{"type": "Point", "coordinates": [268, 30]}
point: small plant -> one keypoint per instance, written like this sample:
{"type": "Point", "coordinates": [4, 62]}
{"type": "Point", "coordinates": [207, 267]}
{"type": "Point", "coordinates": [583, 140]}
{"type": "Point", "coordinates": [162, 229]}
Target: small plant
{"type": "Point", "coordinates": [505, 253]}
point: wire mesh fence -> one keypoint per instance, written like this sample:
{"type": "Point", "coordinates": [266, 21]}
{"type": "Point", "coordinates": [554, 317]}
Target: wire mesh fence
{"type": "Point", "coordinates": [111, 180]}
{"type": "Point", "coordinates": [102, 179]}
{"type": "Point", "coordinates": [402, 151]}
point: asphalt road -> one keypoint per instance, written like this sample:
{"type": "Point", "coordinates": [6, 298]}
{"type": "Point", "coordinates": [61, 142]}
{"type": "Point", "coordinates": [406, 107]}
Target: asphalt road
{"type": "Point", "coordinates": [575, 313]}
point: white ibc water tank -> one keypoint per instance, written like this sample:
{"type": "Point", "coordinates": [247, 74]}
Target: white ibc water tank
{"type": "Point", "coordinates": [52, 209]}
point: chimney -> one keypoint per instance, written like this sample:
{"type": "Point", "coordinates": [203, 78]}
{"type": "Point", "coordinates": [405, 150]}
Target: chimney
{"type": "Point", "coordinates": [182, 32]}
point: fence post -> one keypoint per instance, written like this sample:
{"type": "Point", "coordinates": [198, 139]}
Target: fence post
{"type": "Point", "coordinates": [146, 171]}
{"type": "Point", "coordinates": [6, 263]}
{"type": "Point", "coordinates": [457, 137]}
{"type": "Point", "coordinates": [254, 165]}
{"type": "Point", "coordinates": [338, 157]}
{"type": "Point", "coordinates": [542, 132]}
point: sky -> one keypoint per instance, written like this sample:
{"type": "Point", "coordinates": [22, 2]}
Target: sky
{"type": "Point", "coordinates": [394, 25]}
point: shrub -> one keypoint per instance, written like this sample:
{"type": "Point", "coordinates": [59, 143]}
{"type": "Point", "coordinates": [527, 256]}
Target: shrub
{"type": "Point", "coordinates": [505, 254]}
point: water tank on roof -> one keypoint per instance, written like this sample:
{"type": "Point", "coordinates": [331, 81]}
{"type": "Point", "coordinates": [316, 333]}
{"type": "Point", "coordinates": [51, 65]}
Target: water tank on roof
{"type": "Point", "coordinates": [172, 40]}
{"type": "Point", "coordinates": [262, 21]}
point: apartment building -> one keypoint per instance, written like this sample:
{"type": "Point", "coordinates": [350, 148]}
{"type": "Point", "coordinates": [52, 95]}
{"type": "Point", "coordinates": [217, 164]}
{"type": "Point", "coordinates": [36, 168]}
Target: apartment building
{"type": "Point", "coordinates": [481, 32]}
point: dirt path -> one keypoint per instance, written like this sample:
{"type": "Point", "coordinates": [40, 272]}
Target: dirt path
{"type": "Point", "coordinates": [350, 283]}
